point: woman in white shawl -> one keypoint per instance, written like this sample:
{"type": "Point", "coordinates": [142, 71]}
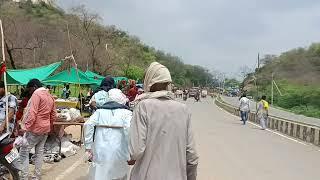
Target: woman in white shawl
{"type": "Point", "coordinates": [109, 146]}
{"type": "Point", "coordinates": [161, 138]}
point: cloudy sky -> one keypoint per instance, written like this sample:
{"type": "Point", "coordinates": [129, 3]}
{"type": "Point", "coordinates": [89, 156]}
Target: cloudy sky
{"type": "Point", "coordinates": [218, 34]}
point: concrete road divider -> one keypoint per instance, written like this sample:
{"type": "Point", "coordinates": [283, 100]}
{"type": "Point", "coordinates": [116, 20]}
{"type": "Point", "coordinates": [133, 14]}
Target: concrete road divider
{"type": "Point", "coordinates": [305, 132]}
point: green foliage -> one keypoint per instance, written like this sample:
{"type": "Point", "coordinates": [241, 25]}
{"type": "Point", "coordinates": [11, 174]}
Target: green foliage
{"type": "Point", "coordinates": [232, 83]}
{"type": "Point", "coordinates": [135, 72]}
{"type": "Point", "coordinates": [297, 73]}
{"type": "Point", "coordinates": [299, 99]}
{"type": "Point", "coordinates": [126, 54]}
{"type": "Point", "coordinates": [41, 10]}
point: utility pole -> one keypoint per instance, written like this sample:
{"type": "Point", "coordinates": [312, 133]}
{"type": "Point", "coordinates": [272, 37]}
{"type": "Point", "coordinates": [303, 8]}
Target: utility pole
{"type": "Point", "coordinates": [256, 82]}
{"type": "Point", "coordinates": [258, 60]}
{"type": "Point", "coordinates": [272, 88]}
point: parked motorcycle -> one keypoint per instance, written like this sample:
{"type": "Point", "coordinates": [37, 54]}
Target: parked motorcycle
{"type": "Point", "coordinates": [8, 160]}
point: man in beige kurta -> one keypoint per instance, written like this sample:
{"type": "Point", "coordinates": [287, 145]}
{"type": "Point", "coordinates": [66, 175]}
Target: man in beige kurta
{"type": "Point", "coordinates": [161, 138]}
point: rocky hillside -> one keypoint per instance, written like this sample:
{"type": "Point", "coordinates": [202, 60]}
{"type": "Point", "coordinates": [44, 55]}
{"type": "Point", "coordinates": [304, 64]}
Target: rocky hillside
{"type": "Point", "coordinates": [37, 34]}
{"type": "Point", "coordinates": [296, 73]}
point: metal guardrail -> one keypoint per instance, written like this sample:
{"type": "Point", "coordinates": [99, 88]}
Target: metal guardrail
{"type": "Point", "coordinates": [302, 131]}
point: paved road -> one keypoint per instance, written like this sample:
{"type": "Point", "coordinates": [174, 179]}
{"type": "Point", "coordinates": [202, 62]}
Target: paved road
{"type": "Point", "coordinates": [229, 151]}
{"type": "Point", "coordinates": [276, 112]}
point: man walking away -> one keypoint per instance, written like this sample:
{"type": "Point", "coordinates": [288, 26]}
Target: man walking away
{"type": "Point", "coordinates": [161, 138]}
{"type": "Point", "coordinates": [244, 108]}
{"type": "Point", "coordinates": [263, 112]}
{"type": "Point", "coordinates": [108, 147]}
{"type": "Point", "coordinates": [38, 121]}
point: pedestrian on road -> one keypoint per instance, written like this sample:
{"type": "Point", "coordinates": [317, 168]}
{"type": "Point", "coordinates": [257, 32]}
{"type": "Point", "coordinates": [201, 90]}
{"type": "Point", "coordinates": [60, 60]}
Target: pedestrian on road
{"type": "Point", "coordinates": [38, 122]}
{"type": "Point", "coordinates": [263, 112]}
{"type": "Point", "coordinates": [107, 147]}
{"type": "Point", "coordinates": [244, 108]}
{"type": "Point", "coordinates": [161, 138]}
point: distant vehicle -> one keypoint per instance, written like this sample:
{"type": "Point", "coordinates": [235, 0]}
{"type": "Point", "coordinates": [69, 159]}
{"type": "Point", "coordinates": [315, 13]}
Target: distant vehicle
{"type": "Point", "coordinates": [185, 96]}
{"type": "Point", "coordinates": [204, 93]}
{"type": "Point", "coordinates": [197, 98]}
{"type": "Point", "coordinates": [193, 91]}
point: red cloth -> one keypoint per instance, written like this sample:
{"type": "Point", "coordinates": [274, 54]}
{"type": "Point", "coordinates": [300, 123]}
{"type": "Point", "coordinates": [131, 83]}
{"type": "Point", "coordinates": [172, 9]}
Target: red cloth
{"type": "Point", "coordinates": [3, 69]}
{"type": "Point", "coordinates": [23, 104]}
{"type": "Point", "coordinates": [133, 92]}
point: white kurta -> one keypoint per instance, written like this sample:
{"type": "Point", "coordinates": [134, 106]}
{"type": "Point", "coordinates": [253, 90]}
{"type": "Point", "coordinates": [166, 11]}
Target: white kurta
{"type": "Point", "coordinates": [109, 146]}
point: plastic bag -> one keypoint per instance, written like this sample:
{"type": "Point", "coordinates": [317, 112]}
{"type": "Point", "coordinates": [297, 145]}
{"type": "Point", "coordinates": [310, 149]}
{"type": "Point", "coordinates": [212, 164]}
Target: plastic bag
{"type": "Point", "coordinates": [66, 113]}
{"type": "Point", "coordinates": [74, 113]}
{"type": "Point", "coordinates": [21, 141]}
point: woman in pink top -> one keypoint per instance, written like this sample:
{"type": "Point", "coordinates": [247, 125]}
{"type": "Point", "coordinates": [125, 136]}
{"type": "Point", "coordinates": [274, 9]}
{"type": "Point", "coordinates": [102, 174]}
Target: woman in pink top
{"type": "Point", "coordinates": [38, 122]}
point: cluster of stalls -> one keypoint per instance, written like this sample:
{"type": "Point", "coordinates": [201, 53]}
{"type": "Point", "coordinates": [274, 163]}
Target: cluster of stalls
{"type": "Point", "coordinates": [70, 111]}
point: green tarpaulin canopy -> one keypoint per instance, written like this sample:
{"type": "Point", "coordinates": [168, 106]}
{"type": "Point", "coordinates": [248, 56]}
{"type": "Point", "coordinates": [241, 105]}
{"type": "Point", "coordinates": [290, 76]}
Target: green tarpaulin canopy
{"type": "Point", "coordinates": [93, 75]}
{"type": "Point", "coordinates": [117, 79]}
{"type": "Point", "coordinates": [69, 77]}
{"type": "Point", "coordinates": [23, 76]}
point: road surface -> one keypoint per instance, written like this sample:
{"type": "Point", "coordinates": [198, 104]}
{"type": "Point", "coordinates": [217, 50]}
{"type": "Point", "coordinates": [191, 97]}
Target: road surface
{"type": "Point", "coordinates": [234, 101]}
{"type": "Point", "coordinates": [228, 151]}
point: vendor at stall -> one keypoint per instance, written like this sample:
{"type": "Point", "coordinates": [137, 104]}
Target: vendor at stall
{"type": "Point", "coordinates": [66, 92]}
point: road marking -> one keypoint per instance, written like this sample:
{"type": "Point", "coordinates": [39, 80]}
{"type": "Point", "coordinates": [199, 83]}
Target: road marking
{"type": "Point", "coordinates": [274, 132]}
{"type": "Point", "coordinates": [279, 134]}
{"type": "Point", "coordinates": [70, 169]}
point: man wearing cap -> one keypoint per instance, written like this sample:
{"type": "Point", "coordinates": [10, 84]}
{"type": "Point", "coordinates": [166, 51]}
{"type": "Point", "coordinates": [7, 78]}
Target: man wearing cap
{"type": "Point", "coordinates": [12, 105]}
{"type": "Point", "coordinates": [38, 122]}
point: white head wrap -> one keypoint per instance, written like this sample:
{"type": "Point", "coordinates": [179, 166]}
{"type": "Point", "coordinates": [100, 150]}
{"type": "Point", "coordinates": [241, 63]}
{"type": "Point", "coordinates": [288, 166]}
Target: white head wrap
{"type": "Point", "coordinates": [156, 73]}
{"type": "Point", "coordinates": [116, 95]}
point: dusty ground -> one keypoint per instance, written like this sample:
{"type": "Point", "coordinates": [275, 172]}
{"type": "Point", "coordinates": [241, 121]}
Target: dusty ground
{"type": "Point", "coordinates": [228, 151]}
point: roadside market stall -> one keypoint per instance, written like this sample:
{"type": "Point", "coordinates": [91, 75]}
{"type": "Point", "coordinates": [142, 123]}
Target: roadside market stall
{"type": "Point", "coordinates": [93, 75]}
{"type": "Point", "coordinates": [23, 76]}
{"type": "Point", "coordinates": [68, 114]}
{"type": "Point", "coordinates": [72, 76]}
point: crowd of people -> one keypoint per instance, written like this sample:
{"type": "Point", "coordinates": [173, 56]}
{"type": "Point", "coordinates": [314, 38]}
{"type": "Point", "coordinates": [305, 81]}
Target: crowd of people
{"type": "Point", "coordinates": [154, 135]}
{"type": "Point", "coordinates": [156, 138]}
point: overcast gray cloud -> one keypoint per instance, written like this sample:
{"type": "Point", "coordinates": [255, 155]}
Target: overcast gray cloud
{"type": "Point", "coordinates": [218, 34]}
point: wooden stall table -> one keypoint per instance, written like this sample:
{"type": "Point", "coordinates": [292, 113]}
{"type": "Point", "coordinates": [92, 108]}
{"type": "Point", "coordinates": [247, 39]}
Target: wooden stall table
{"type": "Point", "coordinates": [65, 103]}
{"type": "Point", "coordinates": [60, 124]}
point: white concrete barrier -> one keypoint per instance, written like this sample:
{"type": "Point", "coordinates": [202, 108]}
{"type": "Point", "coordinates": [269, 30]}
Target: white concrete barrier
{"type": "Point", "coordinates": [305, 132]}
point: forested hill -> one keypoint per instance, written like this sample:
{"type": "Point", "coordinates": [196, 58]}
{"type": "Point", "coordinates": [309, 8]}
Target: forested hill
{"type": "Point", "coordinates": [37, 35]}
{"type": "Point", "coordinates": [297, 75]}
